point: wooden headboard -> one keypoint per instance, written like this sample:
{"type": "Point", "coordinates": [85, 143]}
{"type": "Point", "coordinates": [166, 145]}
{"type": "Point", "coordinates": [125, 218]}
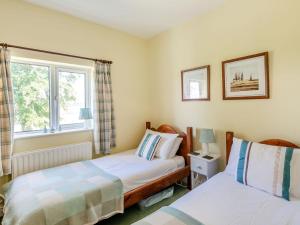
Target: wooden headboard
{"type": "Point", "coordinates": [187, 142]}
{"type": "Point", "coordinates": [275, 142]}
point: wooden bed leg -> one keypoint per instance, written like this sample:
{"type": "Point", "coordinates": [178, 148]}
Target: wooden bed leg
{"type": "Point", "coordinates": [189, 133]}
{"type": "Point", "coordinates": [189, 181]}
{"type": "Point", "coordinates": [190, 149]}
{"type": "Point", "coordinates": [229, 140]}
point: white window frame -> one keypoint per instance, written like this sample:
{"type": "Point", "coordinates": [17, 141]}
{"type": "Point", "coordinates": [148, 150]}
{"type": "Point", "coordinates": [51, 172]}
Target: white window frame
{"type": "Point", "coordinates": [87, 85]}
{"type": "Point", "coordinates": [54, 69]}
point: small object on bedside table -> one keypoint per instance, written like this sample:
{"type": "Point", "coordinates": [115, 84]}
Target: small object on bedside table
{"type": "Point", "coordinates": [203, 165]}
{"type": "Point", "coordinates": [195, 153]}
{"type": "Point", "coordinates": [208, 157]}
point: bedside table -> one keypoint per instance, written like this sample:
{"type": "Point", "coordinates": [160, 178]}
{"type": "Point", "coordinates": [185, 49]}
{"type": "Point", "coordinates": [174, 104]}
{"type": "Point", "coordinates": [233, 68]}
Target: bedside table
{"type": "Point", "coordinates": [201, 166]}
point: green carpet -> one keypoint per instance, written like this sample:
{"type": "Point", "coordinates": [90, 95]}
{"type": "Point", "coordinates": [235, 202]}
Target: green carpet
{"type": "Point", "coordinates": [134, 214]}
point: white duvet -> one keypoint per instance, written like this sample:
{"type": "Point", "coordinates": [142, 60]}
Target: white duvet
{"type": "Point", "coordinates": [135, 171]}
{"type": "Point", "coordinates": [223, 201]}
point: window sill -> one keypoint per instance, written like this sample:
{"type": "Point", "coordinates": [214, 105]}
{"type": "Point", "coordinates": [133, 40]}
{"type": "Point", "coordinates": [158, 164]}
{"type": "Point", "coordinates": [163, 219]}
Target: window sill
{"type": "Point", "coordinates": [36, 135]}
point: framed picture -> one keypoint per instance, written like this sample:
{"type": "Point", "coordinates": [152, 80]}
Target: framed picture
{"type": "Point", "coordinates": [246, 77]}
{"type": "Point", "coordinates": [195, 84]}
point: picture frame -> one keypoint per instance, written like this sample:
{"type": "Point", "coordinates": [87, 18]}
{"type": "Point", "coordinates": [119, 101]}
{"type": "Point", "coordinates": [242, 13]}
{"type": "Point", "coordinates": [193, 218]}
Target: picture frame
{"type": "Point", "coordinates": [195, 84]}
{"type": "Point", "coordinates": [246, 77]}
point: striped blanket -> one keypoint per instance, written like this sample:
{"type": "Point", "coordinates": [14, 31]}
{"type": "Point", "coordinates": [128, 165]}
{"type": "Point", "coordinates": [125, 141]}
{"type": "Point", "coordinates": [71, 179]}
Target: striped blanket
{"type": "Point", "coordinates": [77, 193]}
{"type": "Point", "coordinates": [168, 216]}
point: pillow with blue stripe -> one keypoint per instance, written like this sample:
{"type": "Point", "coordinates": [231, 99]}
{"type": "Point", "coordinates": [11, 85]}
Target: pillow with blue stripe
{"type": "Point", "coordinates": [148, 146]}
{"type": "Point", "coordinates": [269, 168]}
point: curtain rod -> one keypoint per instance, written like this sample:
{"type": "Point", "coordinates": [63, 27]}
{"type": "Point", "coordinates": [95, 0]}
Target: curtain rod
{"type": "Point", "coordinates": [54, 53]}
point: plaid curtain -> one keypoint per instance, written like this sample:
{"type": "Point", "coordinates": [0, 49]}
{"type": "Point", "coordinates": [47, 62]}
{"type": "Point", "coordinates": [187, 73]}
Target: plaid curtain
{"type": "Point", "coordinates": [6, 113]}
{"type": "Point", "coordinates": [104, 120]}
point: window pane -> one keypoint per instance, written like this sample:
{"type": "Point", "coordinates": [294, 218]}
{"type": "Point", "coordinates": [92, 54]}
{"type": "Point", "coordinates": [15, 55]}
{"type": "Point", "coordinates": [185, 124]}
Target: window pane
{"type": "Point", "coordinates": [31, 96]}
{"type": "Point", "coordinates": [71, 96]}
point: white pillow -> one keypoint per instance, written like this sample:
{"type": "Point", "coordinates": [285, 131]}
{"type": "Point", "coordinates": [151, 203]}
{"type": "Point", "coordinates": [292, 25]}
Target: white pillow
{"type": "Point", "coordinates": [263, 167]}
{"type": "Point", "coordinates": [175, 147]}
{"type": "Point", "coordinates": [165, 144]}
{"type": "Point", "coordinates": [233, 157]}
{"type": "Point", "coordinates": [295, 178]}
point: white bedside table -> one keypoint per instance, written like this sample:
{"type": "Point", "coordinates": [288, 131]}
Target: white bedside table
{"type": "Point", "coordinates": [204, 167]}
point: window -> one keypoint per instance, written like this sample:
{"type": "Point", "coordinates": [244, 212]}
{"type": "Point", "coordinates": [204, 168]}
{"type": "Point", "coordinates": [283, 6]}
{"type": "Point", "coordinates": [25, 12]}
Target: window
{"type": "Point", "coordinates": [72, 96]}
{"type": "Point", "coordinates": [31, 95]}
{"type": "Point", "coordinates": [48, 97]}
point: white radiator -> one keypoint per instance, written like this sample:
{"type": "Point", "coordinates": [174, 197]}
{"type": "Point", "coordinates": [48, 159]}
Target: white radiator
{"type": "Point", "coordinates": [50, 157]}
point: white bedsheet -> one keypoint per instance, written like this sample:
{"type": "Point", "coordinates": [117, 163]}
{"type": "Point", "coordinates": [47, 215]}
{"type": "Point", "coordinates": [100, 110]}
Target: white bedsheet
{"type": "Point", "coordinates": [135, 171]}
{"type": "Point", "coordinates": [223, 201]}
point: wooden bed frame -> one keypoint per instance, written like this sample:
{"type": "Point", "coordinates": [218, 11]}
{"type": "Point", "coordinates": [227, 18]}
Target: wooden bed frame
{"type": "Point", "coordinates": [275, 142]}
{"type": "Point", "coordinates": [134, 196]}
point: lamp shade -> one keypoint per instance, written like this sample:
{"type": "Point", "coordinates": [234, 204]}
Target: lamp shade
{"type": "Point", "coordinates": [85, 114]}
{"type": "Point", "coordinates": [207, 136]}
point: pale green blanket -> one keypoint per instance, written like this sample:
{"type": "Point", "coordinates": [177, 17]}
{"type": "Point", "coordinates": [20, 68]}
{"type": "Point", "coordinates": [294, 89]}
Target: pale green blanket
{"type": "Point", "coordinates": [168, 216]}
{"type": "Point", "coordinates": [78, 193]}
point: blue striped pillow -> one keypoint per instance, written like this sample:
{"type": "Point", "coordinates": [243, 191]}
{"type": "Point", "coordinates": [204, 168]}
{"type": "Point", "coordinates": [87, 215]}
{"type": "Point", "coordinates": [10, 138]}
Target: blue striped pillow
{"type": "Point", "coordinates": [148, 146]}
{"type": "Point", "coordinates": [265, 167]}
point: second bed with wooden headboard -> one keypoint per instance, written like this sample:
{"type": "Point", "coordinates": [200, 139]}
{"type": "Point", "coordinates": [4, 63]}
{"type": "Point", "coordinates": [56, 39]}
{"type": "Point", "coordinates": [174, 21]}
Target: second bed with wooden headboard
{"type": "Point", "coordinates": [224, 200]}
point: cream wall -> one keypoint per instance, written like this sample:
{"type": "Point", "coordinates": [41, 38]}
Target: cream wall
{"type": "Point", "coordinates": [235, 29]}
{"type": "Point", "coordinates": [32, 26]}
{"type": "Point", "coordinates": [146, 73]}
{"type": "Point", "coordinates": [28, 25]}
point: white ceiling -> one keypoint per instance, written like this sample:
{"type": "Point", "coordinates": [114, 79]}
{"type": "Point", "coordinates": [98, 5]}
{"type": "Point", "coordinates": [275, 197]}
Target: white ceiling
{"type": "Point", "coordinates": [144, 18]}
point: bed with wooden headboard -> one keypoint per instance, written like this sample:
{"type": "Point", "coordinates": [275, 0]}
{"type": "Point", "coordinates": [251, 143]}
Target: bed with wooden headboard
{"type": "Point", "coordinates": [223, 200]}
{"type": "Point", "coordinates": [274, 142]}
{"type": "Point", "coordinates": [86, 183]}
{"type": "Point", "coordinates": [134, 196]}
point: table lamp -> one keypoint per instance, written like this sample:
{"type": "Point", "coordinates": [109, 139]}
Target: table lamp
{"type": "Point", "coordinates": [85, 114]}
{"type": "Point", "coordinates": [206, 137]}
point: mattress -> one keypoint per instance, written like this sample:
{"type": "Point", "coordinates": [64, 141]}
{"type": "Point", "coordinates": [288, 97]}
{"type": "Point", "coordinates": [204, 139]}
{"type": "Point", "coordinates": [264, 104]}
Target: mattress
{"type": "Point", "coordinates": [135, 171]}
{"type": "Point", "coordinates": [223, 201]}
